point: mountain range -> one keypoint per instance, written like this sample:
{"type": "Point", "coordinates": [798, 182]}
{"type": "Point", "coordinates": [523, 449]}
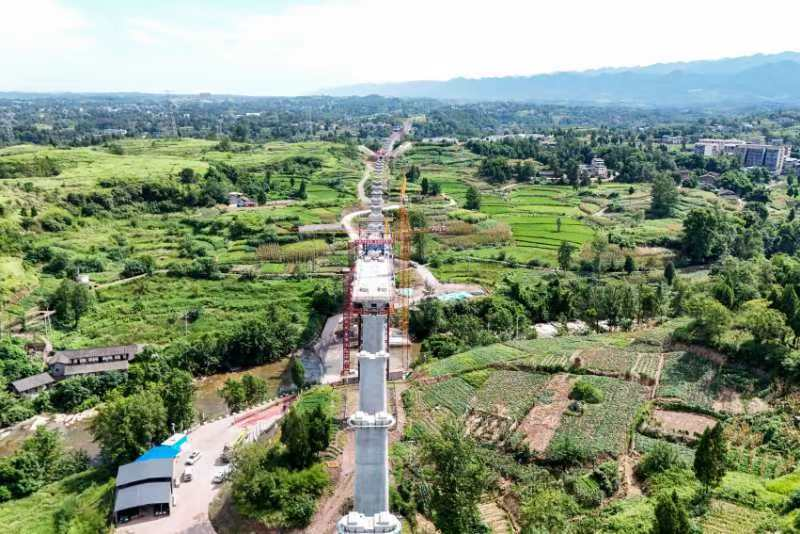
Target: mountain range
{"type": "Point", "coordinates": [756, 79]}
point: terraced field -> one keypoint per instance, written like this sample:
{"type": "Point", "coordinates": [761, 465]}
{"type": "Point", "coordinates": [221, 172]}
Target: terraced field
{"type": "Point", "coordinates": [510, 393]}
{"type": "Point", "coordinates": [728, 518]}
{"type": "Point", "coordinates": [476, 358]}
{"type": "Point", "coordinates": [687, 378]}
{"type": "Point", "coordinates": [603, 428]}
{"type": "Point", "coordinates": [454, 394]}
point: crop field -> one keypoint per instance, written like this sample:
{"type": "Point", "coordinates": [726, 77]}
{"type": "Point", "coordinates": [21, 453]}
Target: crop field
{"type": "Point", "coordinates": [646, 365]}
{"type": "Point", "coordinates": [149, 310]}
{"type": "Point", "coordinates": [471, 360]}
{"type": "Point", "coordinates": [749, 490]}
{"type": "Point", "coordinates": [728, 518]}
{"type": "Point", "coordinates": [510, 393]}
{"type": "Point", "coordinates": [454, 394]}
{"type": "Point", "coordinates": [748, 460]}
{"type": "Point", "coordinates": [532, 212]}
{"type": "Point", "coordinates": [687, 378]}
{"type": "Point", "coordinates": [608, 359]}
{"type": "Point", "coordinates": [603, 428]}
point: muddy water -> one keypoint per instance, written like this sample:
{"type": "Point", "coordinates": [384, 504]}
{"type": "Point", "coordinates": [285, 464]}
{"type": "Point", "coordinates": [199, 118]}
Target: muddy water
{"type": "Point", "coordinates": [209, 405]}
{"type": "Point", "coordinates": [75, 428]}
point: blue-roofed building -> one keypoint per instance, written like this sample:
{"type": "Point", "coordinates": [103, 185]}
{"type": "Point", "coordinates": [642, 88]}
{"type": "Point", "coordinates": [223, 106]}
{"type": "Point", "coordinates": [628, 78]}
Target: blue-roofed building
{"type": "Point", "coordinates": [159, 452]}
{"type": "Point", "coordinates": [170, 449]}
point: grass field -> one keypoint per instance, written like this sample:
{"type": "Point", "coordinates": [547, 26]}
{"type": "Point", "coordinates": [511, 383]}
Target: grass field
{"type": "Point", "coordinates": [86, 493]}
{"type": "Point", "coordinates": [150, 310]}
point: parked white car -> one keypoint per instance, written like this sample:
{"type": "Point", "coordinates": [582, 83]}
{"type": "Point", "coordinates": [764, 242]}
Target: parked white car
{"type": "Point", "coordinates": [193, 458]}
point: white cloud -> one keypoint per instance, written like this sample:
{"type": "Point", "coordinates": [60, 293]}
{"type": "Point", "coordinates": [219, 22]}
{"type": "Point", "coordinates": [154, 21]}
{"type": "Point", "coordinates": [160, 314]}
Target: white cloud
{"type": "Point", "coordinates": [37, 24]}
{"type": "Point", "coordinates": [306, 47]}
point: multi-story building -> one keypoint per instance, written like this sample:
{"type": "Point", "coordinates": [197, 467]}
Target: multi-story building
{"type": "Point", "coordinates": [716, 147]}
{"type": "Point", "coordinates": [771, 157]}
{"type": "Point", "coordinates": [596, 169]}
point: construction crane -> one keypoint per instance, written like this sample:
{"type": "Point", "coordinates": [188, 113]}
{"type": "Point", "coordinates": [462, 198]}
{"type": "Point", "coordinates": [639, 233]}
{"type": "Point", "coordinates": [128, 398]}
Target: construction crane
{"type": "Point", "coordinates": [405, 283]}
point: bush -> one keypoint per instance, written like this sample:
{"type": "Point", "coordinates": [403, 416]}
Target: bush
{"type": "Point", "coordinates": [586, 491]}
{"type": "Point", "coordinates": [139, 265]}
{"type": "Point", "coordinates": [607, 476]}
{"type": "Point", "coordinates": [661, 458]}
{"type": "Point", "coordinates": [584, 391]}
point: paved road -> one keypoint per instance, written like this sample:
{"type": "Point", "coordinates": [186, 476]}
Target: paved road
{"type": "Point", "coordinates": [190, 513]}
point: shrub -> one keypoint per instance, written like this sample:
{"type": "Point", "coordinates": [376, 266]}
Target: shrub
{"type": "Point", "coordinates": [139, 265]}
{"type": "Point", "coordinates": [586, 392]}
{"type": "Point", "coordinates": [661, 458]}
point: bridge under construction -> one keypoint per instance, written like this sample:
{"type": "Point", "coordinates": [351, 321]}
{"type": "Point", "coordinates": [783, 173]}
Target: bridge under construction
{"type": "Point", "coordinates": [369, 304]}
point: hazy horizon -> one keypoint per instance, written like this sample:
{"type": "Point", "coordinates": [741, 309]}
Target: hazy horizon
{"type": "Point", "coordinates": [281, 48]}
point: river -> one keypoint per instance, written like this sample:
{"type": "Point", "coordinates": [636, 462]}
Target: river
{"type": "Point", "coordinates": [75, 427]}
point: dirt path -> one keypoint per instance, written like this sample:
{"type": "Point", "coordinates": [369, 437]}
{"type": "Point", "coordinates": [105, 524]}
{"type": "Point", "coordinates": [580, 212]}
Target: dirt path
{"type": "Point", "coordinates": [495, 518]}
{"type": "Point", "coordinates": [542, 421]}
{"type": "Point", "coordinates": [629, 486]}
{"type": "Point", "coordinates": [331, 506]}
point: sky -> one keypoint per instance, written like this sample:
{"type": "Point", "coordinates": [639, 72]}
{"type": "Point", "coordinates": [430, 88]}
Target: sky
{"type": "Point", "coordinates": [282, 47]}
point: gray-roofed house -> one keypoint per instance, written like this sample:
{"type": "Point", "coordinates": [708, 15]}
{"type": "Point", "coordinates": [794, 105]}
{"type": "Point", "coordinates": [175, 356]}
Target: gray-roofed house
{"type": "Point", "coordinates": [143, 488]}
{"type": "Point", "coordinates": [66, 363]}
{"type": "Point", "coordinates": [32, 385]}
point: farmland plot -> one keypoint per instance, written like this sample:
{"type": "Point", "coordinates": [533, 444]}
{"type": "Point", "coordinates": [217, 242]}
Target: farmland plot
{"type": "Point", "coordinates": [454, 394]}
{"type": "Point", "coordinates": [510, 393]}
{"type": "Point", "coordinates": [471, 360]}
{"type": "Point", "coordinates": [603, 428]}
{"type": "Point", "coordinates": [728, 518]}
{"type": "Point", "coordinates": [687, 377]}
{"type": "Point", "coordinates": [608, 359]}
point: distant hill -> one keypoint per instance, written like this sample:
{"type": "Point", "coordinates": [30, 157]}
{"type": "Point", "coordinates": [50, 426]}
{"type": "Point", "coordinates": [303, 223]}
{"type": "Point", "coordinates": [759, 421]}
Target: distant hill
{"type": "Point", "coordinates": [757, 79]}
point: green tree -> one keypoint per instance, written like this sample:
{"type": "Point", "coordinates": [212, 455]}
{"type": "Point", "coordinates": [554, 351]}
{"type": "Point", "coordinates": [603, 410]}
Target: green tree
{"type": "Point", "coordinates": [187, 175]}
{"type": "Point", "coordinates": [301, 192]}
{"type": "Point", "coordinates": [126, 427]}
{"type": "Point", "coordinates": [71, 301]}
{"type": "Point", "coordinates": [424, 186]}
{"type": "Point", "coordinates": [320, 428]}
{"type": "Point", "coordinates": [420, 243]}
{"type": "Point", "coordinates": [416, 219]}
{"type": "Point", "coordinates": [233, 393]}
{"type": "Point", "coordinates": [177, 392]}
{"type": "Point", "coordinates": [473, 201]}
{"type": "Point", "coordinates": [708, 233]}
{"type": "Point", "coordinates": [295, 435]}
{"type": "Point", "coordinates": [669, 272]}
{"type": "Point", "coordinates": [767, 325]}
{"type": "Point", "coordinates": [710, 457]}
{"type": "Point", "coordinates": [255, 389]}
{"type": "Point", "coordinates": [711, 319]}
{"type": "Point", "coordinates": [671, 516]}
{"type": "Point", "coordinates": [565, 251]}
{"type": "Point", "coordinates": [664, 196]}
{"type": "Point", "coordinates": [298, 373]}
{"type": "Point", "coordinates": [413, 174]}
{"type": "Point", "coordinates": [630, 264]}
{"type": "Point", "coordinates": [458, 479]}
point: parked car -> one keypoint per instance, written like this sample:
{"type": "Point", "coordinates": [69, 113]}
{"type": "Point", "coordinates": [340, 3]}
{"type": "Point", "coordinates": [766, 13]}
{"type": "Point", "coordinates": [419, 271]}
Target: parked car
{"type": "Point", "coordinates": [221, 476]}
{"type": "Point", "coordinates": [193, 458]}
{"type": "Point", "coordinates": [187, 474]}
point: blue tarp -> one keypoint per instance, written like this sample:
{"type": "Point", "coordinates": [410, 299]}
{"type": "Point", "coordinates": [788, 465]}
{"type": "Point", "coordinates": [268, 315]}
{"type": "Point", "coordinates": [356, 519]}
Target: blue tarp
{"type": "Point", "coordinates": [159, 452]}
